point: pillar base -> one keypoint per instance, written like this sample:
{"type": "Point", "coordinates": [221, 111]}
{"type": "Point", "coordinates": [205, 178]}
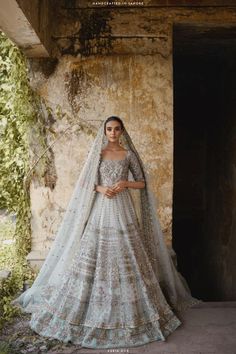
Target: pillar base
{"type": "Point", "coordinates": [36, 259]}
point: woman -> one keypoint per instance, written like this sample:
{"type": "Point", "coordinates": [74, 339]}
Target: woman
{"type": "Point", "coordinates": [108, 280]}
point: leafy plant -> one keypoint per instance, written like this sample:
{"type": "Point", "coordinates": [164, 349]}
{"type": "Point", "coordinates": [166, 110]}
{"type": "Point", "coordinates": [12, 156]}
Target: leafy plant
{"type": "Point", "coordinates": [18, 112]}
{"type": "Point", "coordinates": [25, 153]}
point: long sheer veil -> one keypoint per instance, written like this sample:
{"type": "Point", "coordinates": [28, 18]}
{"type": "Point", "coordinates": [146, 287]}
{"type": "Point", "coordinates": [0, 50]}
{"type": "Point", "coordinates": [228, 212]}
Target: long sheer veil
{"type": "Point", "coordinates": [67, 238]}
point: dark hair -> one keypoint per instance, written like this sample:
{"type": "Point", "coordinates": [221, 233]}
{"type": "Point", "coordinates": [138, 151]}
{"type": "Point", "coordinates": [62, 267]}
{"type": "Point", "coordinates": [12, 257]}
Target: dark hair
{"type": "Point", "coordinates": [113, 118]}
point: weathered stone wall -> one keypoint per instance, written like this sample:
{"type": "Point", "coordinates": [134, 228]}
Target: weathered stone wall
{"type": "Point", "coordinates": [111, 61]}
{"type": "Point", "coordinates": [91, 90]}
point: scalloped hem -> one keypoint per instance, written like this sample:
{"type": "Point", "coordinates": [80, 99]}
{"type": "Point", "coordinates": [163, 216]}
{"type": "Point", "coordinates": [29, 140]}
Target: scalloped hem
{"type": "Point", "coordinates": [48, 325]}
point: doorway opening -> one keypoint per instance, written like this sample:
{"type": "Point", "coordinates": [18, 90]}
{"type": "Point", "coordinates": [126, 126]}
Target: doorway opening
{"type": "Point", "coordinates": [204, 195]}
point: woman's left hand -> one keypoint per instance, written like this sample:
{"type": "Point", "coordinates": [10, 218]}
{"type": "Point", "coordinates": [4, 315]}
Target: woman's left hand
{"type": "Point", "coordinates": [119, 186]}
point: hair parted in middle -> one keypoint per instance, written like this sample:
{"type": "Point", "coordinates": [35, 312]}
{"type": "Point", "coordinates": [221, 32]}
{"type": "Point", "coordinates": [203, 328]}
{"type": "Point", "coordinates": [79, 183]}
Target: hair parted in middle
{"type": "Point", "coordinates": [113, 118]}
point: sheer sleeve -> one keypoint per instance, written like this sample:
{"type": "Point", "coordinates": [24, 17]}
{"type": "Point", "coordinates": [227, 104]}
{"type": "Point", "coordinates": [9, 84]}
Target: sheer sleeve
{"type": "Point", "coordinates": [97, 179]}
{"type": "Point", "coordinates": [135, 167]}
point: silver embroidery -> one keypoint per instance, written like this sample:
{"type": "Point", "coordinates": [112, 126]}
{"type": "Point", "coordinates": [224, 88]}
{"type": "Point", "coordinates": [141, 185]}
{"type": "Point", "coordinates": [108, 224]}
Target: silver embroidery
{"type": "Point", "coordinates": [110, 296]}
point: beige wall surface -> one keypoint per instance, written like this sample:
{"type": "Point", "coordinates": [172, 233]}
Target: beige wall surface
{"type": "Point", "coordinates": [110, 62]}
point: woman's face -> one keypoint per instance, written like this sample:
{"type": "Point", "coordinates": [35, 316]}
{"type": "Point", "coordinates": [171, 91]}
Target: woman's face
{"type": "Point", "coordinates": [113, 130]}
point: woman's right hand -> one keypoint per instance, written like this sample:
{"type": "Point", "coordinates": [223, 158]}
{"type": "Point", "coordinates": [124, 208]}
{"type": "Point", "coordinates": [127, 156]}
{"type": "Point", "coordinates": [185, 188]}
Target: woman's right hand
{"type": "Point", "coordinates": [107, 191]}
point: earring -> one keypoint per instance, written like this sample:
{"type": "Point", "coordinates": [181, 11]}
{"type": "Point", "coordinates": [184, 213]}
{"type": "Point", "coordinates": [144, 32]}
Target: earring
{"type": "Point", "coordinates": [121, 140]}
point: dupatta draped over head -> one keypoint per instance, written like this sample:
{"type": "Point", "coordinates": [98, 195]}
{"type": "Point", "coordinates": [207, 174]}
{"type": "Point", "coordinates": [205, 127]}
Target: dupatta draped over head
{"type": "Point", "coordinates": [67, 239]}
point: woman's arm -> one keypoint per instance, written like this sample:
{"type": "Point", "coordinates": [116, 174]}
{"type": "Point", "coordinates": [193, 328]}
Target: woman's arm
{"type": "Point", "coordinates": [135, 184]}
{"type": "Point", "coordinates": [121, 185]}
{"type": "Point", "coordinates": [118, 187]}
{"type": "Point", "coordinates": [137, 172]}
{"type": "Point", "coordinates": [107, 191]}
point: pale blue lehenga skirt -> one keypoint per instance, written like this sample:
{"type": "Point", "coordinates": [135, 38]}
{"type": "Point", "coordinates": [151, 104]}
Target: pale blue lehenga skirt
{"type": "Point", "coordinates": [110, 296]}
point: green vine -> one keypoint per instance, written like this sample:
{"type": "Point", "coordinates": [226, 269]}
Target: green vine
{"type": "Point", "coordinates": [25, 123]}
{"type": "Point", "coordinates": [18, 113]}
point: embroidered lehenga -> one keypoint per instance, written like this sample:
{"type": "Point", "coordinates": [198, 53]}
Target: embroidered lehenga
{"type": "Point", "coordinates": [110, 295]}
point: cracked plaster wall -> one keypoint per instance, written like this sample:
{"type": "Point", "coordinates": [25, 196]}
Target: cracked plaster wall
{"type": "Point", "coordinates": [109, 62]}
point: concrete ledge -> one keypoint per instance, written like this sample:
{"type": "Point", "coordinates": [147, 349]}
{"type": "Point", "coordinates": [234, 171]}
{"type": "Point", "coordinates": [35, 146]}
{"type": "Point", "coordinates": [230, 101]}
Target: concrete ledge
{"type": "Point", "coordinates": [4, 274]}
{"type": "Point", "coordinates": [19, 29]}
{"type": "Point", "coordinates": [36, 259]}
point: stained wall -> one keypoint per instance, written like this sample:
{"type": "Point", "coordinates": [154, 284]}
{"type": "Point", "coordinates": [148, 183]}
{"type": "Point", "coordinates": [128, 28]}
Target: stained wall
{"type": "Point", "coordinates": [109, 62]}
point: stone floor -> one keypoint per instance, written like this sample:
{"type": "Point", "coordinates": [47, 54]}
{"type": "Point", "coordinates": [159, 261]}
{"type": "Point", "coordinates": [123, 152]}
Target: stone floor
{"type": "Point", "coordinates": [209, 328]}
